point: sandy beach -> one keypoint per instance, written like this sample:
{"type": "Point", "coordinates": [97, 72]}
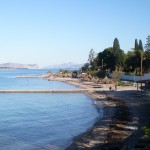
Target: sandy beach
{"type": "Point", "coordinates": [125, 112]}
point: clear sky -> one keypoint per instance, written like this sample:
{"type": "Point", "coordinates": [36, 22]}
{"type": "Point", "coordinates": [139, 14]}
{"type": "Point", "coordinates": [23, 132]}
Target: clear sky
{"type": "Point", "coordinates": [49, 32]}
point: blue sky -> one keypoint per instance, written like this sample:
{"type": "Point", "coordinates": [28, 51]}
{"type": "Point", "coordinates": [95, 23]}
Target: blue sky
{"type": "Point", "coordinates": [49, 32]}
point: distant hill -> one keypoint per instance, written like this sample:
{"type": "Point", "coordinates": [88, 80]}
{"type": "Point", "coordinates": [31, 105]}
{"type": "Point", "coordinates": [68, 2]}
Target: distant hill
{"type": "Point", "coordinates": [69, 65]}
{"type": "Point", "coordinates": [19, 66]}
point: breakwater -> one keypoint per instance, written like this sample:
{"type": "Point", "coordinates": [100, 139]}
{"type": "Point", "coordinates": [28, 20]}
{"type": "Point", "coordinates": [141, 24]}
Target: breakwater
{"type": "Point", "coordinates": [49, 91]}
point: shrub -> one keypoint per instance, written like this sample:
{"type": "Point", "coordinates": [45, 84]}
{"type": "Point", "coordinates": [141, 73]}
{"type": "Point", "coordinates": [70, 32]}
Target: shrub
{"type": "Point", "coordinates": [146, 131]}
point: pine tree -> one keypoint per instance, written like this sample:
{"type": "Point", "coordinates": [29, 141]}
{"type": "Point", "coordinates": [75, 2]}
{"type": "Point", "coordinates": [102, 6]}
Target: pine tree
{"type": "Point", "coordinates": [147, 46]}
{"type": "Point", "coordinates": [140, 45]}
{"type": "Point", "coordinates": [136, 47]}
{"type": "Point", "coordinates": [118, 54]}
{"type": "Point", "coordinates": [116, 45]}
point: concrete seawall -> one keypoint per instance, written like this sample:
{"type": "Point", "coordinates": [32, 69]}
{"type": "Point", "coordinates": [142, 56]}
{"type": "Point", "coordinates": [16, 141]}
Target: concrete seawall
{"type": "Point", "coordinates": [48, 91]}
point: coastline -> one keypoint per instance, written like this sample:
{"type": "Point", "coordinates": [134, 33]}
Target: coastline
{"type": "Point", "coordinates": [120, 122]}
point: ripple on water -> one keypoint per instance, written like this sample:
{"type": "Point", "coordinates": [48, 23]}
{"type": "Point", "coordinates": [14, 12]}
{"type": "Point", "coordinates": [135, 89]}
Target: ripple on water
{"type": "Point", "coordinates": [43, 121]}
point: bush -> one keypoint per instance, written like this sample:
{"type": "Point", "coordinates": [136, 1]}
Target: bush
{"type": "Point", "coordinates": [121, 83]}
{"type": "Point", "coordinates": [146, 131]}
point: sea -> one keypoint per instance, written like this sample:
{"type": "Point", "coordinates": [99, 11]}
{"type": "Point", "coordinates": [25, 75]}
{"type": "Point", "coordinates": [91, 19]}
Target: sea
{"type": "Point", "coordinates": [37, 121]}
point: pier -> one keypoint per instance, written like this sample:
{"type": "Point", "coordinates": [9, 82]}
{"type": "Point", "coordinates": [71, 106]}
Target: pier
{"type": "Point", "coordinates": [49, 91]}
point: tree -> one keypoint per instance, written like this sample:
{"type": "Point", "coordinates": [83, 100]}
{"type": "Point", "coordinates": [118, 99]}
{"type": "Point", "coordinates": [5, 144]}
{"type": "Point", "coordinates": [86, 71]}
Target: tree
{"type": "Point", "coordinates": [147, 55]}
{"type": "Point", "coordinates": [91, 56]}
{"type": "Point", "coordinates": [140, 45]}
{"type": "Point", "coordinates": [106, 59]}
{"type": "Point", "coordinates": [119, 55]}
{"type": "Point", "coordinates": [116, 45]}
{"type": "Point", "coordinates": [112, 58]}
{"type": "Point", "coordinates": [136, 46]}
{"type": "Point", "coordinates": [147, 45]}
{"type": "Point", "coordinates": [85, 67]}
{"type": "Point", "coordinates": [130, 61]}
{"type": "Point", "coordinates": [133, 61]}
{"type": "Point", "coordinates": [92, 60]}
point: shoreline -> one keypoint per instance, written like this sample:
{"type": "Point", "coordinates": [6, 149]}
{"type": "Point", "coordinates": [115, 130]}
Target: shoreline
{"type": "Point", "coordinates": [119, 124]}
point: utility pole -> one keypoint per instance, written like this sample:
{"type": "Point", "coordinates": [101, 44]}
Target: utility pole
{"type": "Point", "coordinates": [141, 65]}
{"type": "Point", "coordinates": [102, 64]}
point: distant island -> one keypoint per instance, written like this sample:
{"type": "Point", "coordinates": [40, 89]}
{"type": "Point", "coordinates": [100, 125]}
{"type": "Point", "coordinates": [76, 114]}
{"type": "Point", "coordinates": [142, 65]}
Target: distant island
{"type": "Point", "coordinates": [18, 66]}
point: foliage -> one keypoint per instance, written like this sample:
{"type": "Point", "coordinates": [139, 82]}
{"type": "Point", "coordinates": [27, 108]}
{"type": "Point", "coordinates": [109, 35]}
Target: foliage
{"type": "Point", "coordinates": [147, 46]}
{"type": "Point", "coordinates": [119, 55]}
{"type": "Point", "coordinates": [85, 67]}
{"type": "Point", "coordinates": [114, 59]}
{"type": "Point", "coordinates": [63, 71]}
{"type": "Point", "coordinates": [146, 62]}
{"type": "Point", "coordinates": [92, 59]}
{"type": "Point", "coordinates": [116, 45]}
{"type": "Point", "coordinates": [140, 45]}
{"type": "Point", "coordinates": [107, 58]}
{"type": "Point", "coordinates": [147, 55]}
{"type": "Point", "coordinates": [133, 61]}
{"type": "Point", "coordinates": [102, 74]}
{"type": "Point", "coordinates": [121, 83]}
{"type": "Point", "coordinates": [116, 76]}
{"type": "Point", "coordinates": [136, 46]}
{"type": "Point", "coordinates": [74, 74]}
{"type": "Point", "coordinates": [146, 130]}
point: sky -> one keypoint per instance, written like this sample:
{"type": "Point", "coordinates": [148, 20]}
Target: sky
{"type": "Point", "coordinates": [48, 32]}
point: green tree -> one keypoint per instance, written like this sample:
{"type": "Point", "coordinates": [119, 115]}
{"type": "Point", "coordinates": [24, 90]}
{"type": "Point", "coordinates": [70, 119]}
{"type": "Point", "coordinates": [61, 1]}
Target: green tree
{"type": "Point", "coordinates": [133, 60]}
{"type": "Point", "coordinates": [112, 58]}
{"type": "Point", "coordinates": [107, 59]}
{"type": "Point", "coordinates": [140, 45]}
{"type": "Point", "coordinates": [147, 45]}
{"type": "Point", "coordinates": [119, 55]}
{"type": "Point", "coordinates": [146, 62]}
{"type": "Point", "coordinates": [130, 62]}
{"type": "Point", "coordinates": [92, 60]}
{"type": "Point", "coordinates": [116, 45]}
{"type": "Point", "coordinates": [136, 46]}
{"type": "Point", "coordinates": [91, 56]}
{"type": "Point", "coordinates": [85, 67]}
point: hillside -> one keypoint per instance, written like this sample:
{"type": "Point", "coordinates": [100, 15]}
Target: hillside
{"type": "Point", "coordinates": [19, 66]}
{"type": "Point", "coordinates": [69, 65]}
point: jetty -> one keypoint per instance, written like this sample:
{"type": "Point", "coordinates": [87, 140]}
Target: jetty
{"type": "Point", "coordinates": [50, 91]}
{"type": "Point", "coordinates": [39, 76]}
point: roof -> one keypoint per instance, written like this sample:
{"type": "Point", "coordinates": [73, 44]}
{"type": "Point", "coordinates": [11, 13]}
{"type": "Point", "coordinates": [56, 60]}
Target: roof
{"type": "Point", "coordinates": [143, 81]}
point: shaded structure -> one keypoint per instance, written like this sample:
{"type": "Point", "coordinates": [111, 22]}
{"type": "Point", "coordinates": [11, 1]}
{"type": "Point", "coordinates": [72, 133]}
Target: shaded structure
{"type": "Point", "coordinates": [144, 85]}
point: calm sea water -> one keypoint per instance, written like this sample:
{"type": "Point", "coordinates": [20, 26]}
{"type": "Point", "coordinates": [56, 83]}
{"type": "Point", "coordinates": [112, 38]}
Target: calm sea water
{"type": "Point", "coordinates": [41, 121]}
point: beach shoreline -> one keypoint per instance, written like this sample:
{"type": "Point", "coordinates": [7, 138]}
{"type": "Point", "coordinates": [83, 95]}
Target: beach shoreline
{"type": "Point", "coordinates": [120, 121]}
